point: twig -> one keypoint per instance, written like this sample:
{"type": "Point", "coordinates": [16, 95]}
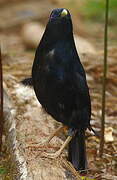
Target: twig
{"type": "Point", "coordinates": [1, 102]}
{"type": "Point", "coordinates": [104, 79]}
{"type": "Point", "coordinates": [69, 166]}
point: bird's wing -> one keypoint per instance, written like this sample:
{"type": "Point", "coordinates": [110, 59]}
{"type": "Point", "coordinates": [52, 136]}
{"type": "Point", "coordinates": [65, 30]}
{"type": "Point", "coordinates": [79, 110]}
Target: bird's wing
{"type": "Point", "coordinates": [81, 85]}
{"type": "Point", "coordinates": [82, 97]}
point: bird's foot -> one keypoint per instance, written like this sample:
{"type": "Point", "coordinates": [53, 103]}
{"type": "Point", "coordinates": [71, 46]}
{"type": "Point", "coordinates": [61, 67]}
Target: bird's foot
{"type": "Point", "coordinates": [52, 155]}
{"type": "Point", "coordinates": [57, 153]}
{"type": "Point", "coordinates": [55, 133]}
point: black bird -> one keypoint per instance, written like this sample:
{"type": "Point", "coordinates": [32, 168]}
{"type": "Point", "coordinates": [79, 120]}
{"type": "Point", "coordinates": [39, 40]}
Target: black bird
{"type": "Point", "coordinates": [60, 85]}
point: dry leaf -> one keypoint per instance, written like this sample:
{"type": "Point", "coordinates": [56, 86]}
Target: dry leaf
{"type": "Point", "coordinates": [108, 134]}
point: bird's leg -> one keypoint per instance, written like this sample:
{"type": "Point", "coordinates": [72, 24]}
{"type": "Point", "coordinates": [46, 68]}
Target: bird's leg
{"type": "Point", "coordinates": [57, 153]}
{"type": "Point", "coordinates": [71, 133]}
{"type": "Point", "coordinates": [55, 133]}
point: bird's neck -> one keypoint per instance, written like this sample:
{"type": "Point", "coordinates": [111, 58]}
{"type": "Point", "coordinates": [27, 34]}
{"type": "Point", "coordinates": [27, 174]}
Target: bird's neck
{"type": "Point", "coordinates": [50, 38]}
{"type": "Point", "coordinates": [55, 32]}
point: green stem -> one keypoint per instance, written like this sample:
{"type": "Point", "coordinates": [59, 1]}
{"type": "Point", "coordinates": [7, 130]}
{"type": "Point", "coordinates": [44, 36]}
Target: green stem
{"type": "Point", "coordinates": [104, 78]}
{"type": "Point", "coordinates": [1, 102]}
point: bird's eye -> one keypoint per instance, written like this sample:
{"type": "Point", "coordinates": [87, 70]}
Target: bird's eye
{"type": "Point", "coordinates": [53, 15]}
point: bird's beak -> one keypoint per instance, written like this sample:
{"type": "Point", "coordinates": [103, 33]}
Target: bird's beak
{"type": "Point", "coordinates": [64, 13]}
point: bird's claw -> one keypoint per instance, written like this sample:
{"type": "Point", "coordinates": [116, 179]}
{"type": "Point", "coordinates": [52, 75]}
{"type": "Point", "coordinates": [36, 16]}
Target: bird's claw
{"type": "Point", "coordinates": [52, 155]}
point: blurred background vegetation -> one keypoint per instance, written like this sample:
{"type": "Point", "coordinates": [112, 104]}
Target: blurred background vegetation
{"type": "Point", "coordinates": [92, 14]}
{"type": "Point", "coordinates": [93, 10]}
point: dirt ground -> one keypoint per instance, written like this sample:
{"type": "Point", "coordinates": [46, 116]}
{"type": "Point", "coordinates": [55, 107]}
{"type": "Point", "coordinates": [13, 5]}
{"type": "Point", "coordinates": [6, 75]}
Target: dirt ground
{"type": "Point", "coordinates": [33, 125]}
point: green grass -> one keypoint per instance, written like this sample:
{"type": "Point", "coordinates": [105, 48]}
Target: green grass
{"type": "Point", "coordinates": [94, 10]}
{"type": "Point", "coordinates": [2, 170]}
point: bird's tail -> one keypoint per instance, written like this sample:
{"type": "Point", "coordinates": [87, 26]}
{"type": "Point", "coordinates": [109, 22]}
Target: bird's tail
{"type": "Point", "coordinates": [77, 151]}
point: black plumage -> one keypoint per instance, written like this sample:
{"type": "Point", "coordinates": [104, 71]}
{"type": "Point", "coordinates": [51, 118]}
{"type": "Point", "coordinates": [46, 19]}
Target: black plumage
{"type": "Point", "coordinates": [59, 82]}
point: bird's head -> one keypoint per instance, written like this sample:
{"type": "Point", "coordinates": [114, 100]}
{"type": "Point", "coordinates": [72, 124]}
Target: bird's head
{"type": "Point", "coordinates": [59, 24]}
{"type": "Point", "coordinates": [59, 15]}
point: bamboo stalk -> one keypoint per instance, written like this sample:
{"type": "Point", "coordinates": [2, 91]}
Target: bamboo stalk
{"type": "Point", "coordinates": [1, 101]}
{"type": "Point", "coordinates": [104, 79]}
